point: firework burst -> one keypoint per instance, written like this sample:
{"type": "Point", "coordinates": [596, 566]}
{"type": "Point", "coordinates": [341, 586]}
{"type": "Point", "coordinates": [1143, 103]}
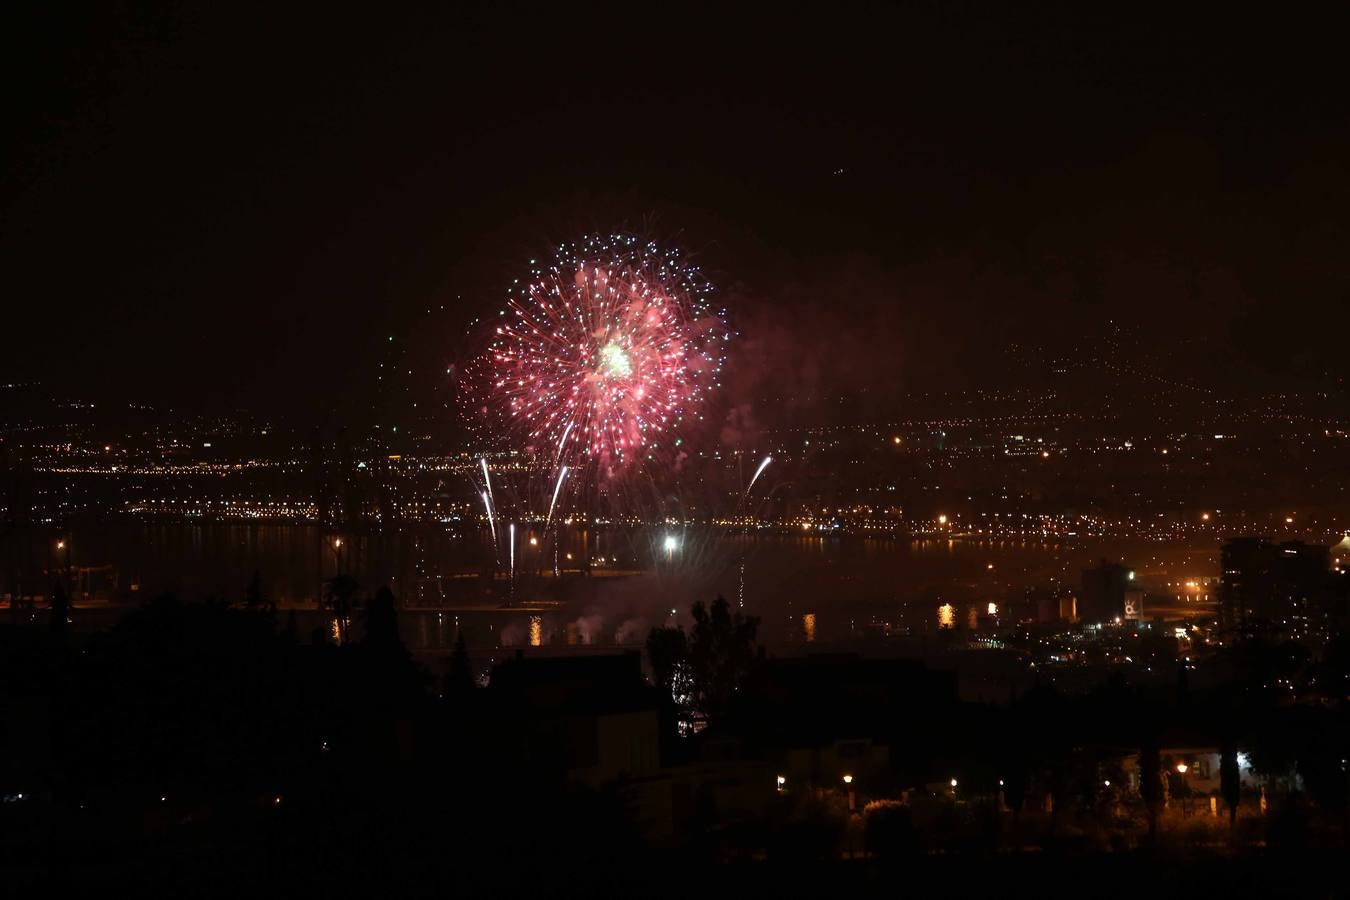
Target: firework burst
{"type": "Point", "coordinates": [601, 355]}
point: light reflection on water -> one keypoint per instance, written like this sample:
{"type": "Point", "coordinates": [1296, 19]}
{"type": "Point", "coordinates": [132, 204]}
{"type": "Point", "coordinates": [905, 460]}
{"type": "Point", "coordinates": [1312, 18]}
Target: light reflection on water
{"type": "Point", "coordinates": [802, 587]}
{"type": "Point", "coordinates": [946, 616]}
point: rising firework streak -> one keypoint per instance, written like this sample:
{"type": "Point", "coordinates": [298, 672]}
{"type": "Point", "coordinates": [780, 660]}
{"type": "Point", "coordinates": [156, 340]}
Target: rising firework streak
{"type": "Point", "coordinates": [762, 466]}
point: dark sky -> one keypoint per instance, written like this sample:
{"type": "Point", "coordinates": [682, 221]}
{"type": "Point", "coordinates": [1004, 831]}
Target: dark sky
{"type": "Point", "coordinates": [214, 204]}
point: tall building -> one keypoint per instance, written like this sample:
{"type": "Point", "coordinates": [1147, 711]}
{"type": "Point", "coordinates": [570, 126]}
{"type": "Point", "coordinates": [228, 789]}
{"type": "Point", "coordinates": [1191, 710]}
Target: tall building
{"type": "Point", "coordinates": [1275, 588]}
{"type": "Point", "coordinates": [1102, 598]}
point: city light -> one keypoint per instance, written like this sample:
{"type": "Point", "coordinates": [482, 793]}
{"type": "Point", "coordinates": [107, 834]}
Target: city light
{"type": "Point", "coordinates": [946, 616]}
{"type": "Point", "coordinates": [671, 543]}
{"type": "Point", "coordinates": [848, 779]}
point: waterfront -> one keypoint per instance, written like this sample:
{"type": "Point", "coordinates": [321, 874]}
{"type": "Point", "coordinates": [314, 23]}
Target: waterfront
{"type": "Point", "coordinates": [848, 584]}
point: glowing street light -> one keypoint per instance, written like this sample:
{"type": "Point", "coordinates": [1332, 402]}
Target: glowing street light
{"type": "Point", "coordinates": [1181, 768]}
{"type": "Point", "coordinates": [942, 519]}
{"type": "Point", "coordinates": [782, 780]}
{"type": "Point", "coordinates": [848, 779]}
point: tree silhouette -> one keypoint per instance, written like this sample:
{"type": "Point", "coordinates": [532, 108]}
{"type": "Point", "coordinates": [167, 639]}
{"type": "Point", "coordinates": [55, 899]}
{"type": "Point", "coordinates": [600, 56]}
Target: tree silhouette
{"type": "Point", "coordinates": [254, 599]}
{"type": "Point", "coordinates": [1151, 784]}
{"type": "Point", "coordinates": [1230, 780]}
{"type": "Point", "coordinates": [668, 655]}
{"type": "Point", "coordinates": [459, 673]}
{"type": "Point", "coordinates": [382, 622]}
{"type": "Point", "coordinates": [1015, 787]}
{"type": "Point", "coordinates": [60, 611]}
{"type": "Point", "coordinates": [700, 671]}
{"type": "Point", "coordinates": [340, 598]}
{"type": "Point", "coordinates": [721, 652]}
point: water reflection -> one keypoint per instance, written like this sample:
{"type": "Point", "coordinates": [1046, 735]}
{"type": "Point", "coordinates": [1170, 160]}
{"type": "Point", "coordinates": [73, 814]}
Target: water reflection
{"type": "Point", "coordinates": [946, 616]}
{"type": "Point", "coordinates": [455, 573]}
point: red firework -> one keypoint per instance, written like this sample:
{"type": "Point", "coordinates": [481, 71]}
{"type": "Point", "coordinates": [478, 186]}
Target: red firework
{"type": "Point", "coordinates": [602, 355]}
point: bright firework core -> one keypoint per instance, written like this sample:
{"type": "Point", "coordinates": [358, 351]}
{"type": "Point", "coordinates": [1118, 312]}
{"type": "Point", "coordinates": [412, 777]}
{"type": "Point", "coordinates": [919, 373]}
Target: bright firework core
{"type": "Point", "coordinates": [614, 361]}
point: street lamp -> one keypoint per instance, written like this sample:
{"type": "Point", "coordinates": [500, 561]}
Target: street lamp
{"type": "Point", "coordinates": [1182, 769]}
{"type": "Point", "coordinates": [782, 780]}
{"type": "Point", "coordinates": [848, 783]}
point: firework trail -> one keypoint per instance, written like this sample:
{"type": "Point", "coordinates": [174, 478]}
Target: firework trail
{"type": "Point", "coordinates": [760, 471]}
{"type": "Point", "coordinates": [487, 479]}
{"type": "Point", "coordinates": [487, 505]}
{"type": "Point", "coordinates": [554, 502]}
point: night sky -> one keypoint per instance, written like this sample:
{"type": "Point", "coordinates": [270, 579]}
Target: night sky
{"type": "Point", "coordinates": [228, 204]}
